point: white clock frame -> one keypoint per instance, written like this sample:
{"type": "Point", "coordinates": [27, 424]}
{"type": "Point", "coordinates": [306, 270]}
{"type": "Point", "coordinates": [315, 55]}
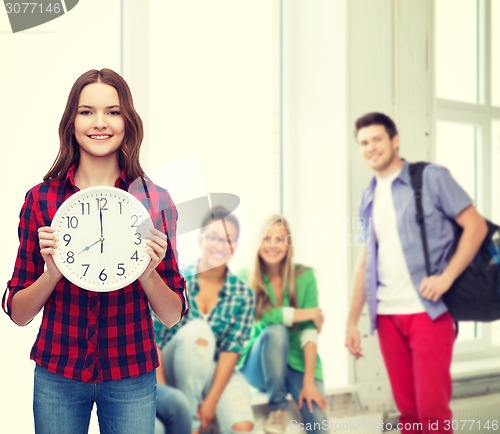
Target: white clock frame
{"type": "Point", "coordinates": [101, 233]}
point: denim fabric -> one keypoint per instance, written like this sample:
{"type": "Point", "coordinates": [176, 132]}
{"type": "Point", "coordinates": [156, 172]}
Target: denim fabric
{"type": "Point", "coordinates": [172, 410]}
{"type": "Point", "coordinates": [190, 367]}
{"type": "Point", "coordinates": [266, 369]}
{"type": "Point", "coordinates": [62, 405]}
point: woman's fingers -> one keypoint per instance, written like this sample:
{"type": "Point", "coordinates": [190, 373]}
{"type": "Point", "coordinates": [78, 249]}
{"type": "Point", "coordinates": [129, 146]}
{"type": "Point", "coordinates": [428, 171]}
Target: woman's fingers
{"type": "Point", "coordinates": [157, 244]}
{"type": "Point", "coordinates": [47, 240]}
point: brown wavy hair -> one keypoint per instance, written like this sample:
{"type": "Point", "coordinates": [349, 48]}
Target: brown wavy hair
{"type": "Point", "coordinates": [69, 149]}
{"type": "Point", "coordinates": [289, 271]}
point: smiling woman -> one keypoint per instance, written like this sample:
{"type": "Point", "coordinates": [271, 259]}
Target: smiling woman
{"type": "Point", "coordinates": [99, 126]}
{"type": "Point", "coordinates": [99, 147]}
{"type": "Point", "coordinates": [44, 63]}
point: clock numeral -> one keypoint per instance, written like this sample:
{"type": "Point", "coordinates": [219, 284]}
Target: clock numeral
{"type": "Point", "coordinates": [135, 256]}
{"type": "Point", "coordinates": [72, 222]}
{"type": "Point", "coordinates": [135, 219]}
{"type": "Point", "coordinates": [121, 269]}
{"type": "Point", "coordinates": [101, 203]}
{"type": "Point", "coordinates": [86, 268]}
{"type": "Point", "coordinates": [67, 239]}
{"type": "Point", "coordinates": [70, 258]}
{"type": "Point", "coordinates": [103, 276]}
{"type": "Point", "coordinates": [85, 207]}
{"type": "Point", "coordinates": [120, 204]}
{"type": "Point", "coordinates": [139, 238]}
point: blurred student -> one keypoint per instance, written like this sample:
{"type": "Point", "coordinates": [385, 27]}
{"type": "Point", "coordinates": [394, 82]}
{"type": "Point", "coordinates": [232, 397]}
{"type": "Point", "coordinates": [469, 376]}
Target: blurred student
{"type": "Point", "coordinates": [281, 356]}
{"type": "Point", "coordinates": [415, 330]}
{"type": "Point", "coordinates": [200, 353]}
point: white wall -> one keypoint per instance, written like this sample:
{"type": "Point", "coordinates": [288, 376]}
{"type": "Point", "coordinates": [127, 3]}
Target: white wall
{"type": "Point", "coordinates": [316, 171]}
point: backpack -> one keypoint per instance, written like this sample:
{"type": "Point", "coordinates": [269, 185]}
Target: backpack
{"type": "Point", "coordinates": [475, 294]}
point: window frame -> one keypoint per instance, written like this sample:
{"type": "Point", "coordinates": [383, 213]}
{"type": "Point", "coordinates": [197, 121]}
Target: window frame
{"type": "Point", "coordinates": [482, 115]}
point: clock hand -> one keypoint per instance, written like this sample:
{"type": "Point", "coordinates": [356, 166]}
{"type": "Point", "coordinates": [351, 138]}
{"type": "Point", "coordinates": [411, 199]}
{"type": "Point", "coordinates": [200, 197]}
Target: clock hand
{"type": "Point", "coordinates": [102, 230]}
{"type": "Point", "coordinates": [100, 221]}
{"type": "Point", "coordinates": [93, 244]}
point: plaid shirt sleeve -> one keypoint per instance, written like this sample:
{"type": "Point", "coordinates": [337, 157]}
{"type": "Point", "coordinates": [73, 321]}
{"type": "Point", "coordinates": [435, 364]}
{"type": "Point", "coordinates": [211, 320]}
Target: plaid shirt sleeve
{"type": "Point", "coordinates": [29, 263]}
{"type": "Point", "coordinates": [240, 326]}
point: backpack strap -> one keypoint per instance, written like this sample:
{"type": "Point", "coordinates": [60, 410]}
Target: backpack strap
{"type": "Point", "coordinates": [416, 177]}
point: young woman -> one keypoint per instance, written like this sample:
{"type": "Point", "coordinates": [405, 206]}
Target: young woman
{"type": "Point", "coordinates": [200, 353]}
{"type": "Point", "coordinates": [281, 356]}
{"type": "Point", "coordinates": [94, 346]}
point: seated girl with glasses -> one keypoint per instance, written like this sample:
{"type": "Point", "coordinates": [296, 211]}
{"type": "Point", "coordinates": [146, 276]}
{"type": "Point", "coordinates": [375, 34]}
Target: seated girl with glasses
{"type": "Point", "coordinates": [200, 352]}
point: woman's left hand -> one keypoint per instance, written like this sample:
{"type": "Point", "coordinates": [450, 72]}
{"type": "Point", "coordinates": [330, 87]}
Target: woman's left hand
{"type": "Point", "coordinates": [310, 394]}
{"type": "Point", "coordinates": [157, 249]}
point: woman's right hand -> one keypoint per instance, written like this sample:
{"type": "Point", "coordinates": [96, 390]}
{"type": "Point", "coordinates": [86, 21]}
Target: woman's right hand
{"type": "Point", "coordinates": [48, 244]}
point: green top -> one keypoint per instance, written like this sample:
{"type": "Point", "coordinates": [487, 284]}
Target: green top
{"type": "Point", "coordinates": [307, 297]}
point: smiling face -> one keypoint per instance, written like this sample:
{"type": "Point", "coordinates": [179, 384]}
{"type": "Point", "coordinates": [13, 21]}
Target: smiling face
{"type": "Point", "coordinates": [378, 149]}
{"type": "Point", "coordinates": [275, 244]}
{"type": "Point", "coordinates": [218, 242]}
{"type": "Point", "coordinates": [99, 124]}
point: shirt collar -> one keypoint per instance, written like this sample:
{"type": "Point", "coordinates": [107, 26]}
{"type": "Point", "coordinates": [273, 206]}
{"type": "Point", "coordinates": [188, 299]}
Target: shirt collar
{"type": "Point", "coordinates": [121, 182]}
{"type": "Point", "coordinates": [270, 289]}
{"type": "Point", "coordinates": [191, 274]}
{"type": "Point", "coordinates": [69, 180]}
{"type": "Point", "coordinates": [403, 176]}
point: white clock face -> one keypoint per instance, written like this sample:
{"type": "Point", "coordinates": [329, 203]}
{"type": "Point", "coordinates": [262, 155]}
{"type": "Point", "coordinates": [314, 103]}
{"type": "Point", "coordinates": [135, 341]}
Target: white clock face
{"type": "Point", "coordinates": [102, 234]}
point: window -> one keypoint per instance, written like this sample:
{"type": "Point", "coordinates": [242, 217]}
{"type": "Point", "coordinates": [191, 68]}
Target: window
{"type": "Point", "coordinates": [495, 54]}
{"type": "Point", "coordinates": [458, 49]}
{"type": "Point", "coordinates": [467, 90]}
{"type": "Point", "coordinates": [214, 112]}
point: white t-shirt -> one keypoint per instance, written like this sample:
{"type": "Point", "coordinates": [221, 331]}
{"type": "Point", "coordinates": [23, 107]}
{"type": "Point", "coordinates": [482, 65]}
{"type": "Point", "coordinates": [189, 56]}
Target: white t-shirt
{"type": "Point", "coordinates": [396, 293]}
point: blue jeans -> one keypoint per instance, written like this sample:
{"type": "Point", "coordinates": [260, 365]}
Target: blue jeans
{"type": "Point", "coordinates": [62, 405]}
{"type": "Point", "coordinates": [172, 409]}
{"type": "Point", "coordinates": [188, 360]}
{"type": "Point", "coordinates": [266, 369]}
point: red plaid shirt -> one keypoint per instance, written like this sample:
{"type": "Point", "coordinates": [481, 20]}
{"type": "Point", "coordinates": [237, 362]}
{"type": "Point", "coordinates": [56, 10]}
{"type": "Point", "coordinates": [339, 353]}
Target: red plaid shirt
{"type": "Point", "coordinates": [93, 336]}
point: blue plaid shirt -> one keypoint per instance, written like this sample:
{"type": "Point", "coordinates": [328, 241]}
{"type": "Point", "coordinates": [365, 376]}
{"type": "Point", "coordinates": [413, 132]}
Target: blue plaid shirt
{"type": "Point", "coordinates": [231, 319]}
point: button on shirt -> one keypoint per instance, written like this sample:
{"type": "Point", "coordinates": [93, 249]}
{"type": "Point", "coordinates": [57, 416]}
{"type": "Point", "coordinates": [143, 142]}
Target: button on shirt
{"type": "Point", "coordinates": [231, 319]}
{"type": "Point", "coordinates": [443, 200]}
{"type": "Point", "coordinates": [85, 335]}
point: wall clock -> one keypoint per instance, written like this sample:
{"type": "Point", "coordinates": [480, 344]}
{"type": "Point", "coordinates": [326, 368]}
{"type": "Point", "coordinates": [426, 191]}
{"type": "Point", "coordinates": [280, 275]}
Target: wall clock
{"type": "Point", "coordinates": [102, 233]}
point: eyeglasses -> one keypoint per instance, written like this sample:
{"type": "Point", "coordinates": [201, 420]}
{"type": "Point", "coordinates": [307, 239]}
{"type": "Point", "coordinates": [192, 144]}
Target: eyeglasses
{"type": "Point", "coordinates": [216, 240]}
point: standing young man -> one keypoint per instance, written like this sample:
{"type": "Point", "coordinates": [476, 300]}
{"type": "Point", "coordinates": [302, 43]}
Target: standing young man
{"type": "Point", "coordinates": [416, 332]}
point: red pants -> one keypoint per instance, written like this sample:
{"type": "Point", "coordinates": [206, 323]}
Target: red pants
{"type": "Point", "coordinates": [417, 353]}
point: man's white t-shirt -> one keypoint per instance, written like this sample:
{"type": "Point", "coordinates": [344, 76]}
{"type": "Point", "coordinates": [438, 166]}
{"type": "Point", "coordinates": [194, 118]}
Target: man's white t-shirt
{"type": "Point", "coordinates": [396, 293]}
